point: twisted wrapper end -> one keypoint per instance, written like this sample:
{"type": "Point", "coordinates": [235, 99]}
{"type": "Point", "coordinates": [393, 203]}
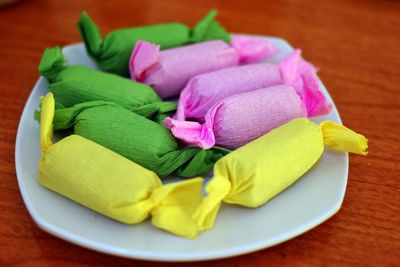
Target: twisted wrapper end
{"type": "Point", "coordinates": [90, 34]}
{"type": "Point", "coordinates": [252, 49]}
{"type": "Point", "coordinates": [341, 138]}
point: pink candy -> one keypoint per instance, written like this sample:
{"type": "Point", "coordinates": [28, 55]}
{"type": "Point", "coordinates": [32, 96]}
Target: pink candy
{"type": "Point", "coordinates": [168, 71]}
{"type": "Point", "coordinates": [241, 118]}
{"type": "Point", "coordinates": [203, 91]}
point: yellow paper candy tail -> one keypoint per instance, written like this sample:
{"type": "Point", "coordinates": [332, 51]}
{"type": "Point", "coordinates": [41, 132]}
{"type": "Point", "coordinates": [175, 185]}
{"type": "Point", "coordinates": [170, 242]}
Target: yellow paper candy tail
{"type": "Point", "coordinates": [217, 189]}
{"type": "Point", "coordinates": [46, 121]}
{"type": "Point", "coordinates": [175, 204]}
{"type": "Point", "coordinates": [339, 137]}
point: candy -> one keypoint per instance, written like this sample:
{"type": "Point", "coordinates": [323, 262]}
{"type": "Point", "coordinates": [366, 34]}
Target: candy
{"type": "Point", "coordinates": [203, 91]}
{"type": "Point", "coordinates": [112, 52]}
{"type": "Point", "coordinates": [141, 140]}
{"type": "Point", "coordinates": [76, 84]}
{"type": "Point", "coordinates": [258, 171]}
{"type": "Point", "coordinates": [239, 119]}
{"type": "Point", "coordinates": [168, 71]}
{"type": "Point", "coordinates": [108, 183]}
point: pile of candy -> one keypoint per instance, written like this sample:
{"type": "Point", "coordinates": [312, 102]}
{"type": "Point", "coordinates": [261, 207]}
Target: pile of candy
{"type": "Point", "coordinates": [236, 114]}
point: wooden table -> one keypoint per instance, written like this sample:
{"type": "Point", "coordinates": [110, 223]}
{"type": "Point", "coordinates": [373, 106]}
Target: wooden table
{"type": "Point", "coordinates": [355, 43]}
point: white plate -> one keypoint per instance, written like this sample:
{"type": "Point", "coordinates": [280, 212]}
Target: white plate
{"type": "Point", "coordinates": [310, 201]}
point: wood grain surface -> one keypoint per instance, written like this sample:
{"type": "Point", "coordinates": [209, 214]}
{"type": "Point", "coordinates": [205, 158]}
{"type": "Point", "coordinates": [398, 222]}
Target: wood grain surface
{"type": "Point", "coordinates": [356, 44]}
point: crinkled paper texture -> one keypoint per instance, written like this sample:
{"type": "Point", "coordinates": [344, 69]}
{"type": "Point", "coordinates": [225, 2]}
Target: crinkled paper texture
{"type": "Point", "coordinates": [253, 174]}
{"type": "Point", "coordinates": [205, 90]}
{"type": "Point", "coordinates": [112, 52]}
{"type": "Point", "coordinates": [239, 119]}
{"type": "Point", "coordinates": [112, 185]}
{"type": "Point", "coordinates": [141, 140]}
{"type": "Point", "coordinates": [78, 84]}
{"type": "Point", "coordinates": [168, 71]}
{"type": "Point", "coordinates": [117, 187]}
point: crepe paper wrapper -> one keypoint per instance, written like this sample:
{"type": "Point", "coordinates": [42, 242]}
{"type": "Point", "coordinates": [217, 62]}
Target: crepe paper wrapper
{"type": "Point", "coordinates": [112, 185]}
{"type": "Point", "coordinates": [239, 119]}
{"type": "Point", "coordinates": [168, 71]}
{"type": "Point", "coordinates": [141, 140]}
{"type": "Point", "coordinates": [112, 52]}
{"type": "Point", "coordinates": [205, 90]}
{"type": "Point", "coordinates": [76, 84]}
{"type": "Point", "coordinates": [278, 159]}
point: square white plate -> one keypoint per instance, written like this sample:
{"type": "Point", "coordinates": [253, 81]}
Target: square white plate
{"type": "Point", "coordinates": [310, 201]}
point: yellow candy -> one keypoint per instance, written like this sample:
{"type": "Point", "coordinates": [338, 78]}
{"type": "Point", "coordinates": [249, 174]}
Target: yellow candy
{"type": "Point", "coordinates": [112, 185]}
{"type": "Point", "coordinates": [258, 171]}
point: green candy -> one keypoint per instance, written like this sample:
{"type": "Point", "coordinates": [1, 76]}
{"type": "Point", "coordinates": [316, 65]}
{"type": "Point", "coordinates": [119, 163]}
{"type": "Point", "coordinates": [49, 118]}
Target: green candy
{"type": "Point", "coordinates": [136, 138]}
{"type": "Point", "coordinates": [112, 53]}
{"type": "Point", "coordinates": [76, 84]}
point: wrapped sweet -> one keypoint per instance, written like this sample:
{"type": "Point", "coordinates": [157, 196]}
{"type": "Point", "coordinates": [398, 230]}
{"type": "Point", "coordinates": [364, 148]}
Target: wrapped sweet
{"type": "Point", "coordinates": [112, 52]}
{"type": "Point", "coordinates": [168, 71]}
{"type": "Point", "coordinates": [239, 119]}
{"type": "Point", "coordinates": [112, 185]}
{"type": "Point", "coordinates": [76, 84]}
{"type": "Point", "coordinates": [278, 159]}
{"type": "Point", "coordinates": [133, 136]}
{"type": "Point", "coordinates": [205, 90]}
